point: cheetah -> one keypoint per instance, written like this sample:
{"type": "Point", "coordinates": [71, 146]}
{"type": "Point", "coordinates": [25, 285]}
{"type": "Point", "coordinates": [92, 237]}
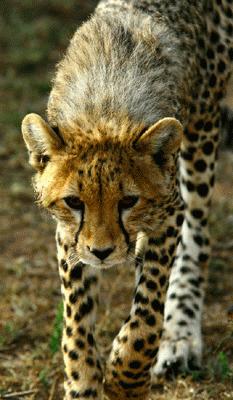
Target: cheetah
{"type": "Point", "coordinates": [126, 164]}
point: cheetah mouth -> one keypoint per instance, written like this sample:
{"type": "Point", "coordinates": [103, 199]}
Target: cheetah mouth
{"type": "Point", "coordinates": [105, 264]}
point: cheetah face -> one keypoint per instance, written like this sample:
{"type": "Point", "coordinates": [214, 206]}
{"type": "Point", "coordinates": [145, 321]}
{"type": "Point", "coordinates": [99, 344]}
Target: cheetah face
{"type": "Point", "coordinates": [105, 191]}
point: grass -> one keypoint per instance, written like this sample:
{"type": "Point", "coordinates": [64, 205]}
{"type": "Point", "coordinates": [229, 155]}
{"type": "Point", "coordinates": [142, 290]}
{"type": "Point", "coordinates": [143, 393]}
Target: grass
{"type": "Point", "coordinates": [55, 339]}
{"type": "Point", "coordinates": [33, 36]}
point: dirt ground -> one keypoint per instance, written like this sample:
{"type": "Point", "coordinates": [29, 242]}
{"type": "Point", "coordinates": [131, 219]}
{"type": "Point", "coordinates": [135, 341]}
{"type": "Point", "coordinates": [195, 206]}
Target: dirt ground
{"type": "Point", "coordinates": [33, 37]}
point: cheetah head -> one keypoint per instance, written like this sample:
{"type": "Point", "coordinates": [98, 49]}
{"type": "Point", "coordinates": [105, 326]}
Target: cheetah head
{"type": "Point", "coordinates": [104, 189]}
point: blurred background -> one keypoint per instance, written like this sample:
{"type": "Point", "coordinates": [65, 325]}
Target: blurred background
{"type": "Point", "coordinates": [33, 37]}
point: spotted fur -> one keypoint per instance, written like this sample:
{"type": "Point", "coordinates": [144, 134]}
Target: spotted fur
{"type": "Point", "coordinates": [126, 165]}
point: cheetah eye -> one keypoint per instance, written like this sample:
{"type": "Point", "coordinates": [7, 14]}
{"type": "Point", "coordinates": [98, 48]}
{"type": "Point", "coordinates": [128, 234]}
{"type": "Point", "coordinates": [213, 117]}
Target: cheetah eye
{"type": "Point", "coordinates": [74, 202]}
{"type": "Point", "coordinates": [127, 202]}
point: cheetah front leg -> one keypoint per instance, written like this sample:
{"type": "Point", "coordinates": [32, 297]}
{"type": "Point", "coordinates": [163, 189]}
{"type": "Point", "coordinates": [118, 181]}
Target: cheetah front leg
{"type": "Point", "coordinates": [83, 375]}
{"type": "Point", "coordinates": [135, 347]}
{"type": "Point", "coordinates": [181, 345]}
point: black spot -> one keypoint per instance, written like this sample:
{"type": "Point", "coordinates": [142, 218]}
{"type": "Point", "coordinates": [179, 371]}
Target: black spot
{"type": "Point", "coordinates": [182, 323]}
{"type": "Point", "coordinates": [154, 271]}
{"type": "Point", "coordinates": [221, 66]}
{"type": "Point", "coordinates": [200, 165]}
{"type": "Point", "coordinates": [64, 265]}
{"type": "Point", "coordinates": [230, 32]}
{"type": "Point", "coordinates": [151, 255]}
{"type": "Point", "coordinates": [65, 349]}
{"type": "Point", "coordinates": [150, 320]}
{"type": "Point", "coordinates": [68, 311]}
{"type": "Point", "coordinates": [170, 210]}
{"type": "Point", "coordinates": [89, 281]}
{"type": "Point", "coordinates": [151, 353]}
{"type": "Point", "coordinates": [199, 124]}
{"type": "Point", "coordinates": [206, 94]}
{"type": "Point", "coordinates": [142, 279]}
{"type": "Point", "coordinates": [134, 324]}
{"type": "Point", "coordinates": [90, 361]}
{"type": "Point", "coordinates": [76, 294]}
{"type": "Point", "coordinates": [164, 260]}
{"type": "Point", "coordinates": [212, 180]}
{"type": "Point", "coordinates": [89, 393]}
{"type": "Point", "coordinates": [214, 37]}
{"type": "Point", "coordinates": [201, 43]}
{"type": "Point", "coordinates": [162, 280]}
{"type": "Point", "coordinates": [69, 331]}
{"type": "Point", "coordinates": [75, 375]}
{"type": "Point", "coordinates": [59, 240]}
{"type": "Point", "coordinates": [131, 375]}
{"type": "Point", "coordinates": [170, 231]}
{"type": "Point", "coordinates": [157, 241]}
{"type": "Point", "coordinates": [172, 296]}
{"type": "Point", "coordinates": [171, 249]}
{"type": "Point", "coordinates": [190, 186]}
{"type": "Point", "coordinates": [208, 126]}
{"type": "Point", "coordinates": [65, 247]}
{"type": "Point", "coordinates": [133, 385]}
{"type": "Point", "coordinates": [151, 338]}
{"type": "Point", "coordinates": [228, 10]}
{"type": "Point", "coordinates": [212, 80]}
{"type": "Point", "coordinates": [179, 219]}
{"type": "Point", "coordinates": [194, 282]}
{"type": "Point", "coordinates": [202, 189]}
{"type": "Point", "coordinates": [185, 270]}
{"type": "Point", "coordinates": [203, 257]}
{"type": "Point", "coordinates": [193, 137]}
{"type": "Point", "coordinates": [197, 213]}
{"type": "Point", "coordinates": [220, 48]}
{"type": "Point", "coordinates": [160, 158]}
{"type": "Point", "coordinates": [143, 312]}
{"type": "Point", "coordinates": [198, 239]}
{"type": "Point", "coordinates": [90, 339]}
{"type": "Point", "coordinates": [210, 54]}
{"type": "Point", "coordinates": [66, 283]}
{"type": "Point", "coordinates": [84, 309]}
{"type": "Point", "coordinates": [196, 292]}
{"type": "Point", "coordinates": [193, 110]}
{"type": "Point", "coordinates": [139, 298]}
{"type": "Point", "coordinates": [151, 285]}
{"type": "Point", "coordinates": [80, 344]}
{"type": "Point", "coordinates": [73, 355]}
{"type": "Point", "coordinates": [157, 306]}
{"type": "Point", "coordinates": [74, 394]}
{"type": "Point", "coordinates": [76, 272]}
{"type": "Point", "coordinates": [138, 344]}
{"type": "Point", "coordinates": [230, 52]}
{"type": "Point", "coordinates": [189, 312]}
{"type": "Point", "coordinates": [203, 63]}
{"type": "Point", "coordinates": [135, 364]}
{"type": "Point", "coordinates": [208, 148]}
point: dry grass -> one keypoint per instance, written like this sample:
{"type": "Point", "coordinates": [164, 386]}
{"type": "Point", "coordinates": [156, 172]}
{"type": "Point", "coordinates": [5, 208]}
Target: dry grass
{"type": "Point", "coordinates": [33, 38]}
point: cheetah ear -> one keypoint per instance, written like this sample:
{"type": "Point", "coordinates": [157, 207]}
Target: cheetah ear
{"type": "Point", "coordinates": [161, 139]}
{"type": "Point", "coordinates": [41, 140]}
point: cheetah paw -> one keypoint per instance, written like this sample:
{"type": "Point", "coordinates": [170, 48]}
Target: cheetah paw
{"type": "Point", "coordinates": [178, 355]}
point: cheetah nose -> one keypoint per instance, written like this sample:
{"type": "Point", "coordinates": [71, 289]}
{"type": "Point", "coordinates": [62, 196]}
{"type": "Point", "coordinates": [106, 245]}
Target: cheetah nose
{"type": "Point", "coordinates": [102, 253]}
